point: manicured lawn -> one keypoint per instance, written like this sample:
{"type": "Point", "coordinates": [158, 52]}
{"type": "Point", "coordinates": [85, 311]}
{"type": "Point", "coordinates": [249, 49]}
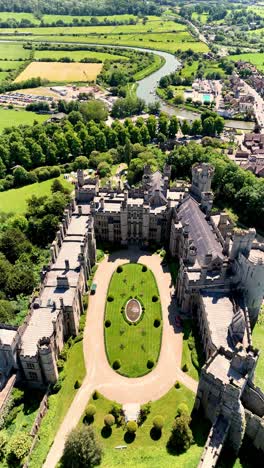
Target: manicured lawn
{"type": "Point", "coordinates": [12, 117]}
{"type": "Point", "coordinates": [258, 342]}
{"type": "Point", "coordinates": [59, 404]}
{"type": "Point", "coordinates": [15, 200]}
{"type": "Point", "coordinates": [256, 59]}
{"type": "Point", "coordinates": [192, 354]}
{"type": "Point", "coordinates": [144, 451]}
{"type": "Point", "coordinates": [133, 345]}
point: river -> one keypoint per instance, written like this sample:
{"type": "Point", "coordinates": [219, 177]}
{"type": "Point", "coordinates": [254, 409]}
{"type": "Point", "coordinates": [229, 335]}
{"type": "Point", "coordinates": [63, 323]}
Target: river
{"type": "Point", "coordinates": [146, 88]}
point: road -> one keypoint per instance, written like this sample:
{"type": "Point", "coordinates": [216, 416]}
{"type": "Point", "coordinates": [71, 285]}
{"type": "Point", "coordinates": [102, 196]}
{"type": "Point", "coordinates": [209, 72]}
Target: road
{"type": "Point", "coordinates": [100, 375]}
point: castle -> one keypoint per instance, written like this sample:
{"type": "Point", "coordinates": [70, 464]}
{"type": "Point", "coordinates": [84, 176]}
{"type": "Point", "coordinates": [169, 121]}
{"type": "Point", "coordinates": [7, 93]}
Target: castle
{"type": "Point", "coordinates": [220, 285]}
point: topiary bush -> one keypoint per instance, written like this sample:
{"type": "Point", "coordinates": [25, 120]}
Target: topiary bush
{"type": "Point", "coordinates": [132, 427]}
{"type": "Point", "coordinates": [155, 298]}
{"type": "Point", "coordinates": [119, 269]}
{"type": "Point", "coordinates": [107, 323]}
{"type": "Point", "coordinates": [150, 364]}
{"type": "Point", "coordinates": [158, 423]}
{"type": "Point", "coordinates": [156, 323]}
{"type": "Point", "coordinates": [90, 411]}
{"type": "Point", "coordinates": [177, 385]}
{"type": "Point", "coordinates": [182, 409]}
{"type": "Point", "coordinates": [185, 368]}
{"type": "Point", "coordinates": [109, 420]}
{"type": "Point", "coordinates": [110, 299]}
{"type": "Point", "coordinates": [116, 364]}
{"type": "Point", "coordinates": [77, 384]}
{"type": "Point", "coordinates": [144, 268]}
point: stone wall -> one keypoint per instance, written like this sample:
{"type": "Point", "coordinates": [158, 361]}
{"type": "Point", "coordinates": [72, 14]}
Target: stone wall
{"type": "Point", "coordinates": [255, 429]}
{"type": "Point", "coordinates": [253, 399]}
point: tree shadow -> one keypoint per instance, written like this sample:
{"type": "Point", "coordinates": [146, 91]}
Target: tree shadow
{"type": "Point", "coordinates": [248, 456]}
{"type": "Point", "coordinates": [155, 434]}
{"type": "Point", "coordinates": [88, 420]}
{"type": "Point", "coordinates": [106, 432]}
{"type": "Point", "coordinates": [129, 437]}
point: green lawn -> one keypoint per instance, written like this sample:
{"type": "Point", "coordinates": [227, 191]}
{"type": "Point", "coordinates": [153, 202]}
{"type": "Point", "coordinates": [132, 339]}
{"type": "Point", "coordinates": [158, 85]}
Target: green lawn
{"type": "Point", "coordinates": [9, 64]}
{"type": "Point", "coordinates": [133, 345]}
{"type": "Point", "coordinates": [59, 404]}
{"type": "Point", "coordinates": [192, 354]}
{"type": "Point", "coordinates": [202, 18]}
{"type": "Point", "coordinates": [258, 342]}
{"type": "Point", "coordinates": [3, 75]}
{"type": "Point", "coordinates": [13, 117]}
{"type": "Point", "coordinates": [256, 59]}
{"type": "Point", "coordinates": [15, 200]}
{"type": "Point", "coordinates": [144, 451]}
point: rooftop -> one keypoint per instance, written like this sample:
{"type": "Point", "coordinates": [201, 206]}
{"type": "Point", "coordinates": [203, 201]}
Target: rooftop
{"type": "Point", "coordinates": [40, 325]}
{"type": "Point", "coordinates": [219, 311]}
{"type": "Point", "coordinates": [7, 336]}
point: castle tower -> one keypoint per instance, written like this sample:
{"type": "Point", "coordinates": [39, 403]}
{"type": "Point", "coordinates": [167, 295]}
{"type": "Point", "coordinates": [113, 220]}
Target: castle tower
{"type": "Point", "coordinates": [48, 360]}
{"type": "Point", "coordinates": [202, 175]}
{"type": "Point", "coordinates": [242, 242]}
{"type": "Point", "coordinates": [80, 177]}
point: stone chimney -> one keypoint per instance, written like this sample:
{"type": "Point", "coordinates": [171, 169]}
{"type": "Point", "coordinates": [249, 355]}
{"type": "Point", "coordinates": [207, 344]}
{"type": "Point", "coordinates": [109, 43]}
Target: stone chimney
{"type": "Point", "coordinates": [80, 209]}
{"type": "Point", "coordinates": [67, 264]}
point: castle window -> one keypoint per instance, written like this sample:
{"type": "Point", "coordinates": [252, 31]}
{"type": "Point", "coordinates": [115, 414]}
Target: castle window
{"type": "Point", "coordinates": [33, 375]}
{"type": "Point", "coordinates": [30, 365]}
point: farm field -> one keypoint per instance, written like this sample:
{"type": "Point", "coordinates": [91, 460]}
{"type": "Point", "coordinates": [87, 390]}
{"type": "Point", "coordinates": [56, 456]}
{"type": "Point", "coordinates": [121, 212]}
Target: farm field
{"type": "Point", "coordinates": [202, 18]}
{"type": "Point", "coordinates": [9, 64]}
{"type": "Point", "coordinates": [5, 15]}
{"type": "Point", "coordinates": [76, 55]}
{"type": "Point", "coordinates": [3, 75]}
{"type": "Point", "coordinates": [167, 42]}
{"type": "Point", "coordinates": [133, 345]}
{"type": "Point", "coordinates": [156, 25]}
{"type": "Point", "coordinates": [61, 72]}
{"type": "Point", "coordinates": [13, 51]}
{"type": "Point", "coordinates": [256, 59]}
{"type": "Point", "coordinates": [145, 451]}
{"type": "Point", "coordinates": [12, 117]}
{"type": "Point", "coordinates": [15, 200]}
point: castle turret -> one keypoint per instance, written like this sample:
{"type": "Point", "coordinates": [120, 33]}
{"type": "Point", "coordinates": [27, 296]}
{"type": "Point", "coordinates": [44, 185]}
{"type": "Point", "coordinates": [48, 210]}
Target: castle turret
{"type": "Point", "coordinates": [242, 242]}
{"type": "Point", "coordinates": [202, 175]}
{"type": "Point", "coordinates": [80, 177]}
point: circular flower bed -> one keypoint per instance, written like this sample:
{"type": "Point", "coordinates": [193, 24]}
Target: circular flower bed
{"type": "Point", "coordinates": [133, 310]}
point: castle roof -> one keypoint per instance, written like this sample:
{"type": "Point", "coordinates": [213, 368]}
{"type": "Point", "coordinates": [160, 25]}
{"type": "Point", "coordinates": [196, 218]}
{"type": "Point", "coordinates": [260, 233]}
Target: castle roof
{"type": "Point", "coordinates": [200, 231]}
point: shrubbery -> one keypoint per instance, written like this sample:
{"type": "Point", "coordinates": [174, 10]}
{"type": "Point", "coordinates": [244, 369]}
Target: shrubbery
{"type": "Point", "coordinates": [156, 323]}
{"type": "Point", "coordinates": [150, 364]}
{"type": "Point", "coordinates": [110, 299]}
{"type": "Point", "coordinates": [144, 268]}
{"type": "Point", "coordinates": [82, 449]}
{"type": "Point", "coordinates": [116, 364]}
{"type": "Point", "coordinates": [132, 427]}
{"type": "Point", "coordinates": [107, 323]}
{"type": "Point", "coordinates": [155, 298]}
{"type": "Point", "coordinates": [158, 423]}
{"type": "Point", "coordinates": [119, 269]}
{"type": "Point", "coordinates": [109, 420]}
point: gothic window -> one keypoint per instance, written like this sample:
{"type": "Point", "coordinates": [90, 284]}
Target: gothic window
{"type": "Point", "coordinates": [30, 365]}
{"type": "Point", "coordinates": [33, 375]}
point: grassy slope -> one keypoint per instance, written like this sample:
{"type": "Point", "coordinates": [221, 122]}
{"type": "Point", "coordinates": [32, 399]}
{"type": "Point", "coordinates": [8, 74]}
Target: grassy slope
{"type": "Point", "coordinates": [258, 342]}
{"type": "Point", "coordinates": [144, 451]}
{"type": "Point", "coordinates": [189, 355]}
{"type": "Point", "coordinates": [133, 337]}
{"type": "Point", "coordinates": [12, 117]}
{"type": "Point", "coordinates": [15, 200]}
{"type": "Point", "coordinates": [59, 404]}
{"type": "Point", "coordinates": [255, 59]}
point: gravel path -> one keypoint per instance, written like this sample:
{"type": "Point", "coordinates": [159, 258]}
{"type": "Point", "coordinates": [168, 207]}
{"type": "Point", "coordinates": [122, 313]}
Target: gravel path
{"type": "Point", "coordinates": [100, 375]}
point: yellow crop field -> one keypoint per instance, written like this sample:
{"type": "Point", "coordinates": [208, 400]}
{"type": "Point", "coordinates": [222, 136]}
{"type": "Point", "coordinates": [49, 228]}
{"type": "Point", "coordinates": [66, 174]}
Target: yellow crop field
{"type": "Point", "coordinates": [61, 72]}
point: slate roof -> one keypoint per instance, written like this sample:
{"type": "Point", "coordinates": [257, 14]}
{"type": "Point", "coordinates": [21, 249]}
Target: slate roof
{"type": "Point", "coordinates": [201, 232]}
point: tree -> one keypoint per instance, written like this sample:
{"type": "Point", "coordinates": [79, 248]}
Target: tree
{"type": "Point", "coordinates": [181, 435]}
{"type": "Point", "coordinates": [209, 126]}
{"type": "Point", "coordinates": [197, 127]}
{"type": "Point", "coordinates": [158, 423]}
{"type": "Point", "coordinates": [94, 110]}
{"type": "Point", "coordinates": [20, 280]}
{"type": "Point", "coordinates": [109, 420]}
{"type": "Point", "coordinates": [18, 448]}
{"type": "Point", "coordinates": [90, 411]}
{"type": "Point", "coordinates": [163, 124]}
{"type": "Point", "coordinates": [57, 186]}
{"type": "Point", "coordinates": [219, 124]}
{"type": "Point", "coordinates": [173, 126]}
{"type": "Point", "coordinates": [152, 126]}
{"type": "Point", "coordinates": [103, 169]}
{"type": "Point", "coordinates": [13, 243]}
{"type": "Point", "coordinates": [21, 177]}
{"type": "Point", "coordinates": [185, 128]}
{"type": "Point", "coordinates": [82, 449]}
{"type": "Point", "coordinates": [81, 162]}
{"type": "Point", "coordinates": [5, 268]}
{"type": "Point", "coordinates": [132, 427]}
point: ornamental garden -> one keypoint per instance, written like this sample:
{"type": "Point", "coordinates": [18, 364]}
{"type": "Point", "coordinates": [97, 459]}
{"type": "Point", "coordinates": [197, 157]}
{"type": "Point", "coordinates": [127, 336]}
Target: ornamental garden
{"type": "Point", "coordinates": [133, 322]}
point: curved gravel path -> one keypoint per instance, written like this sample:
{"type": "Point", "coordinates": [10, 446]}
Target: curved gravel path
{"type": "Point", "coordinates": [100, 375]}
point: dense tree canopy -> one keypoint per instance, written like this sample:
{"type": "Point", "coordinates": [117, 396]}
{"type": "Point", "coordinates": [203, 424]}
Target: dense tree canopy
{"type": "Point", "coordinates": [81, 449]}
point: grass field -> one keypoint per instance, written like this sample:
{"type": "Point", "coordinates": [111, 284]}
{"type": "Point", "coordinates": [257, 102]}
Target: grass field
{"type": "Point", "coordinates": [53, 18]}
{"type": "Point", "coordinates": [12, 117]}
{"type": "Point", "coordinates": [61, 71]}
{"type": "Point", "coordinates": [15, 200]}
{"type": "Point", "coordinates": [133, 345]}
{"type": "Point", "coordinates": [76, 55]}
{"type": "Point", "coordinates": [3, 75]}
{"type": "Point", "coordinates": [192, 351]}
{"type": "Point", "coordinates": [258, 342]}
{"type": "Point", "coordinates": [144, 451]}
{"type": "Point", "coordinates": [9, 64]}
{"type": "Point", "coordinates": [256, 59]}
{"type": "Point", "coordinates": [202, 18]}
{"type": "Point", "coordinates": [59, 404]}
{"type": "Point", "coordinates": [13, 51]}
